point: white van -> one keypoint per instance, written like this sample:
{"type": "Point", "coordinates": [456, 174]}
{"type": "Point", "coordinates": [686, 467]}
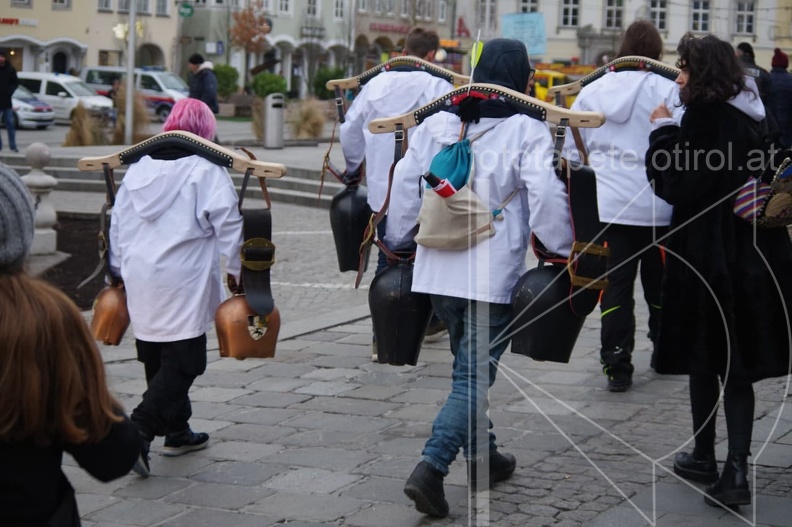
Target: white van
{"type": "Point", "coordinates": [63, 93]}
{"type": "Point", "coordinates": [161, 89]}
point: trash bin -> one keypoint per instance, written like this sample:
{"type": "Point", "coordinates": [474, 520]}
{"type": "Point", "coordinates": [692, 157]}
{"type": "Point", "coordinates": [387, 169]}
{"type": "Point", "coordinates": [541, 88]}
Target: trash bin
{"type": "Point", "coordinates": [273, 120]}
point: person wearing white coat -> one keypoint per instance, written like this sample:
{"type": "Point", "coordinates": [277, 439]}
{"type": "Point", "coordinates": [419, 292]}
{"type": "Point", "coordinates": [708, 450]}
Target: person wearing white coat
{"type": "Point", "coordinates": [470, 289]}
{"type": "Point", "coordinates": [631, 214]}
{"type": "Point", "coordinates": [171, 223]}
{"type": "Point", "coordinates": [389, 93]}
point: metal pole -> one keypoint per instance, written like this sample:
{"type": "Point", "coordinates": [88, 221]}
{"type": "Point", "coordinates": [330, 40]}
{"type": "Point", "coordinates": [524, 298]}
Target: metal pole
{"type": "Point", "coordinates": [130, 73]}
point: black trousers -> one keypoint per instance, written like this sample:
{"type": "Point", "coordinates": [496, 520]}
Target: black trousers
{"type": "Point", "coordinates": [171, 368]}
{"type": "Point", "coordinates": [631, 246]}
{"type": "Point", "coordinates": [738, 406]}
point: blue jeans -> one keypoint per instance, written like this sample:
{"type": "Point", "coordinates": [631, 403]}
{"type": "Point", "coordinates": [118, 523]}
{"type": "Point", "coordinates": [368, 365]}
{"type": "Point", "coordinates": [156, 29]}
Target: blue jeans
{"type": "Point", "coordinates": [8, 118]}
{"type": "Point", "coordinates": [463, 422]}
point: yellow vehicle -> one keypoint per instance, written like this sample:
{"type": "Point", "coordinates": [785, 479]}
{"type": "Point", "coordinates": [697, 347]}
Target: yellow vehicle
{"type": "Point", "coordinates": [544, 79]}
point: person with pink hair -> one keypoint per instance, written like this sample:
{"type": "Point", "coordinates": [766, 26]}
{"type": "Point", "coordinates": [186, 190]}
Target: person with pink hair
{"type": "Point", "coordinates": [192, 115]}
{"type": "Point", "coordinates": [172, 221]}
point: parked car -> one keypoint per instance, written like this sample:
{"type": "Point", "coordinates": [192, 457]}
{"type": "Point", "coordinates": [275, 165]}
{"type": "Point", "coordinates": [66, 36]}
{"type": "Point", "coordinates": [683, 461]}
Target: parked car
{"type": "Point", "coordinates": [63, 93]}
{"type": "Point", "coordinates": [29, 112]}
{"type": "Point", "coordinates": [160, 89]}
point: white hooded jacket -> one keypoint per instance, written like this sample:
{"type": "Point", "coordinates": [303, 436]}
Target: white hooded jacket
{"type": "Point", "coordinates": [616, 150]}
{"type": "Point", "coordinates": [171, 222]}
{"type": "Point", "coordinates": [515, 154]}
{"type": "Point", "coordinates": [388, 94]}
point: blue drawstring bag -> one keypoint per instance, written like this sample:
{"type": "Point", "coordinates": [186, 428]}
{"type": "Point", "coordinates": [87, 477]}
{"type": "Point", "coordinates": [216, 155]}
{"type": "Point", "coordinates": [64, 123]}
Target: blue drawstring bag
{"type": "Point", "coordinates": [453, 163]}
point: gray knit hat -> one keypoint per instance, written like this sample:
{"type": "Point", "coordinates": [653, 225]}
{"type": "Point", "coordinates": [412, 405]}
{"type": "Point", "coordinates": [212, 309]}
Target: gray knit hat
{"type": "Point", "coordinates": [17, 220]}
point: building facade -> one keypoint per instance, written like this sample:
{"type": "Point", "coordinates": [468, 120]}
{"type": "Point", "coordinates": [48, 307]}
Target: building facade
{"type": "Point", "coordinates": [64, 35]}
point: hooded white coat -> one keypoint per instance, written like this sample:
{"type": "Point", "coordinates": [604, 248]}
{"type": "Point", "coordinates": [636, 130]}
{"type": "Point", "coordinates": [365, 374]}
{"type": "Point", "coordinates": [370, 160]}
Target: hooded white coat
{"type": "Point", "coordinates": [616, 150]}
{"type": "Point", "coordinates": [388, 94]}
{"type": "Point", "coordinates": [515, 154]}
{"type": "Point", "coordinates": [171, 222]}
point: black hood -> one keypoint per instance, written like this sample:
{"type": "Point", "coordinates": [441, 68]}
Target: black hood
{"type": "Point", "coordinates": [503, 62]}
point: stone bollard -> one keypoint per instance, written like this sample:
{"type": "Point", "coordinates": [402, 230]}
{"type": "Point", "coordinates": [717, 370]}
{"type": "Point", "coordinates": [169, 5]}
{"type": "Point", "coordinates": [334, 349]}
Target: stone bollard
{"type": "Point", "coordinates": [40, 184]}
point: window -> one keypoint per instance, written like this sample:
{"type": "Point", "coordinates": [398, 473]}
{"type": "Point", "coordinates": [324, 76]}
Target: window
{"type": "Point", "coordinates": [19, 3]}
{"type": "Point", "coordinates": [284, 6]}
{"type": "Point", "coordinates": [405, 8]}
{"type": "Point", "coordinates": [338, 9]}
{"type": "Point", "coordinates": [312, 9]}
{"type": "Point", "coordinates": [362, 6]}
{"type": "Point", "coordinates": [143, 6]}
{"type": "Point", "coordinates": [614, 14]}
{"type": "Point", "coordinates": [162, 7]}
{"type": "Point", "coordinates": [700, 16]}
{"type": "Point", "coordinates": [744, 21]}
{"type": "Point", "coordinates": [123, 6]}
{"type": "Point", "coordinates": [486, 14]}
{"type": "Point", "coordinates": [147, 82]}
{"type": "Point", "coordinates": [527, 6]}
{"type": "Point", "coordinates": [442, 8]}
{"type": "Point", "coordinates": [105, 5]}
{"type": "Point", "coordinates": [570, 10]}
{"type": "Point", "coordinates": [54, 88]}
{"type": "Point", "coordinates": [61, 4]}
{"type": "Point", "coordinates": [658, 13]}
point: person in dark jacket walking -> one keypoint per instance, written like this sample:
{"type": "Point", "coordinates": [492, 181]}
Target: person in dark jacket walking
{"type": "Point", "coordinates": [782, 81]}
{"type": "Point", "coordinates": [727, 285]}
{"type": "Point", "coordinates": [203, 81]}
{"type": "Point", "coordinates": [760, 75]}
{"type": "Point", "coordinates": [8, 84]}
{"type": "Point", "coordinates": [53, 391]}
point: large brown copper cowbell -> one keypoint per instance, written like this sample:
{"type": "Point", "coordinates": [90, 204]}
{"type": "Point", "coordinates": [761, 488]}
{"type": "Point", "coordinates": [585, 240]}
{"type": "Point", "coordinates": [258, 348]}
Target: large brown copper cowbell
{"type": "Point", "coordinates": [244, 334]}
{"type": "Point", "coordinates": [349, 216]}
{"type": "Point", "coordinates": [546, 328]}
{"type": "Point", "coordinates": [110, 318]}
{"type": "Point", "coordinates": [399, 316]}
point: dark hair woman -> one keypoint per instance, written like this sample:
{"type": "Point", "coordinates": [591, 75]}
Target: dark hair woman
{"type": "Point", "coordinates": [53, 394]}
{"type": "Point", "coordinates": [727, 284]}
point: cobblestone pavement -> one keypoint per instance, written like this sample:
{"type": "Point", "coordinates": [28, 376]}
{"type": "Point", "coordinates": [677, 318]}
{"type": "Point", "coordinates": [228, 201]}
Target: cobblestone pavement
{"type": "Point", "coordinates": [319, 435]}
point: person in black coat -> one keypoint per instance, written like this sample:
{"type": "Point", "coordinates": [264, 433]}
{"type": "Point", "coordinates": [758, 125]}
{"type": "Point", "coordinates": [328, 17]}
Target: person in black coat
{"type": "Point", "coordinates": [8, 85]}
{"type": "Point", "coordinates": [53, 392]}
{"type": "Point", "coordinates": [727, 284]}
{"type": "Point", "coordinates": [203, 81]}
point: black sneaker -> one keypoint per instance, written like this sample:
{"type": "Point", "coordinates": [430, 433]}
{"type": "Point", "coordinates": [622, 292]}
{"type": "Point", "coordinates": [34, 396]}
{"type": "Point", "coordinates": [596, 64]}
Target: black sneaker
{"type": "Point", "coordinates": [425, 488]}
{"type": "Point", "coordinates": [618, 380]}
{"type": "Point", "coordinates": [141, 466]}
{"type": "Point", "coordinates": [617, 368]}
{"type": "Point", "coordinates": [436, 330]}
{"type": "Point", "coordinates": [183, 442]}
{"type": "Point", "coordinates": [701, 470]}
{"type": "Point", "coordinates": [501, 468]}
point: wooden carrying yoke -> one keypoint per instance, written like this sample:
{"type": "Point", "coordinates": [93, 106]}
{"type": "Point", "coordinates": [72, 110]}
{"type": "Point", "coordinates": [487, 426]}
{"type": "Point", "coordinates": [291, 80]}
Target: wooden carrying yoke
{"type": "Point", "coordinates": [402, 63]}
{"type": "Point", "coordinates": [588, 261]}
{"type": "Point", "coordinates": [247, 325]}
{"type": "Point", "coordinates": [530, 106]}
{"type": "Point", "coordinates": [627, 63]}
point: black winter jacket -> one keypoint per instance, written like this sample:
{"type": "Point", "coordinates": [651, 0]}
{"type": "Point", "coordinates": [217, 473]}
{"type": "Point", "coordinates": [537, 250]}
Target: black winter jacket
{"type": "Point", "coordinates": [722, 305]}
{"type": "Point", "coordinates": [203, 86]}
{"type": "Point", "coordinates": [8, 84]}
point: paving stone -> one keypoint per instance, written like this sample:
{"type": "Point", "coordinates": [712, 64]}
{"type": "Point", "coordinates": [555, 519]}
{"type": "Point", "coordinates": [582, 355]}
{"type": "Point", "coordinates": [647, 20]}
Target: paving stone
{"type": "Point", "coordinates": [90, 503]}
{"type": "Point", "coordinates": [208, 425]}
{"type": "Point", "coordinates": [377, 393]}
{"type": "Point", "coordinates": [337, 438]}
{"type": "Point", "coordinates": [416, 412]}
{"type": "Point", "coordinates": [389, 515]}
{"type": "Point", "coordinates": [325, 458]}
{"type": "Point", "coordinates": [133, 387]}
{"type": "Point", "coordinates": [332, 374]}
{"type": "Point", "coordinates": [261, 416]}
{"type": "Point", "coordinates": [277, 384]}
{"type": "Point", "coordinates": [206, 410]}
{"type": "Point", "coordinates": [231, 497]}
{"type": "Point", "coordinates": [271, 399]}
{"type": "Point", "coordinates": [334, 361]}
{"type": "Point", "coordinates": [380, 490]}
{"type": "Point", "coordinates": [245, 474]}
{"type": "Point", "coordinates": [390, 467]}
{"type": "Point", "coordinates": [320, 421]}
{"type": "Point", "coordinates": [137, 512]}
{"type": "Point", "coordinates": [179, 466]}
{"type": "Point", "coordinates": [347, 405]}
{"type": "Point", "coordinates": [326, 388]}
{"type": "Point", "coordinates": [234, 365]}
{"type": "Point", "coordinates": [402, 446]}
{"type": "Point", "coordinates": [254, 433]}
{"type": "Point", "coordinates": [152, 488]}
{"type": "Point", "coordinates": [214, 518]}
{"type": "Point", "coordinates": [311, 481]}
{"type": "Point", "coordinates": [304, 507]}
{"type": "Point", "coordinates": [238, 451]}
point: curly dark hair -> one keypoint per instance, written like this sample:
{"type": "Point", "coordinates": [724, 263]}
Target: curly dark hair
{"type": "Point", "coordinates": [715, 72]}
